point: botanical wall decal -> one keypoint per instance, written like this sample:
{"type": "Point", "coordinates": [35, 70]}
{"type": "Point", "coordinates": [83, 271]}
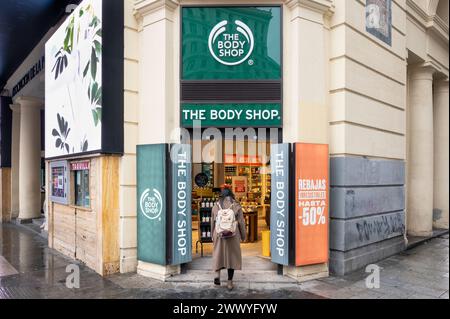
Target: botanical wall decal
{"type": "Point", "coordinates": [62, 134]}
{"type": "Point", "coordinates": [74, 83]}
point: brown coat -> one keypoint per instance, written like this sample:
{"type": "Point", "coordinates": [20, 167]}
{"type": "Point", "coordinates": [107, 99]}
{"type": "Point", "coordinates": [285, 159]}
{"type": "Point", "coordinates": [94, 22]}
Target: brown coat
{"type": "Point", "coordinates": [227, 251]}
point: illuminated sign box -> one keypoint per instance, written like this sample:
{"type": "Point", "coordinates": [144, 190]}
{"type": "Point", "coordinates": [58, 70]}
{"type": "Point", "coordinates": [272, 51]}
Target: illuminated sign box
{"type": "Point", "coordinates": [84, 82]}
{"type": "Point", "coordinates": [231, 66]}
{"type": "Point", "coordinates": [232, 115]}
{"type": "Point", "coordinates": [231, 43]}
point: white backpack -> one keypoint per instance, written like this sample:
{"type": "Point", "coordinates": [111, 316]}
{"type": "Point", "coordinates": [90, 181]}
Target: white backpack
{"type": "Point", "coordinates": [226, 222]}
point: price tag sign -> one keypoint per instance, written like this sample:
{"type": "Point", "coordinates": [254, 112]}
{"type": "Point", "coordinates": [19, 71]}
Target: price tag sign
{"type": "Point", "coordinates": [311, 200]}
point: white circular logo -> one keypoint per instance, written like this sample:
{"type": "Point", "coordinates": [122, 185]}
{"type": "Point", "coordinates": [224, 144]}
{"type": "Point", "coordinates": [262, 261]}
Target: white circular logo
{"type": "Point", "coordinates": [151, 206]}
{"type": "Point", "coordinates": [231, 44]}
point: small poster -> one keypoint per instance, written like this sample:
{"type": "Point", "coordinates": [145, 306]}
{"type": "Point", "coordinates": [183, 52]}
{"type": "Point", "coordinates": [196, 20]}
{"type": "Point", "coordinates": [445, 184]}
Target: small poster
{"type": "Point", "coordinates": [239, 185]}
{"type": "Point", "coordinates": [379, 19]}
{"type": "Point", "coordinates": [59, 179]}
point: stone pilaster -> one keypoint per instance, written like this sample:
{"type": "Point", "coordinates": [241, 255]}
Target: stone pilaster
{"type": "Point", "coordinates": [158, 69]}
{"type": "Point", "coordinates": [15, 153]}
{"type": "Point", "coordinates": [420, 159]}
{"type": "Point", "coordinates": [29, 158]}
{"type": "Point", "coordinates": [158, 88]}
{"type": "Point", "coordinates": [441, 154]}
{"type": "Point", "coordinates": [306, 87]}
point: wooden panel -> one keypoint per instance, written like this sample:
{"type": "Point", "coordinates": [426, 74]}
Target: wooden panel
{"type": "Point", "coordinates": [110, 215]}
{"type": "Point", "coordinates": [91, 236]}
{"type": "Point", "coordinates": [64, 224]}
{"type": "Point", "coordinates": [5, 195]}
{"type": "Point", "coordinates": [86, 237]}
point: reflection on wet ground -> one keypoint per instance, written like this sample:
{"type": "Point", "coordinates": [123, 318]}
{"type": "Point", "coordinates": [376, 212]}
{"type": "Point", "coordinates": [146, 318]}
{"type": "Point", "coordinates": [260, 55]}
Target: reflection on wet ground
{"type": "Point", "coordinates": [29, 269]}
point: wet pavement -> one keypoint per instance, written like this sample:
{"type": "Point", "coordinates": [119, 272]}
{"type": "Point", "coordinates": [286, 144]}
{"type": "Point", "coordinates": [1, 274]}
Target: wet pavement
{"type": "Point", "coordinates": [29, 269]}
{"type": "Point", "coordinates": [419, 273]}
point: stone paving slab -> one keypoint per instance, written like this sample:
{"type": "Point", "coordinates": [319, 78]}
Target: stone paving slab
{"type": "Point", "coordinates": [419, 273]}
{"type": "Point", "coordinates": [6, 269]}
{"type": "Point", "coordinates": [269, 277]}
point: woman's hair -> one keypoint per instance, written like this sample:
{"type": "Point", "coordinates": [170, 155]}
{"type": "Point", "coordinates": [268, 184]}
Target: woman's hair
{"type": "Point", "coordinates": [226, 192]}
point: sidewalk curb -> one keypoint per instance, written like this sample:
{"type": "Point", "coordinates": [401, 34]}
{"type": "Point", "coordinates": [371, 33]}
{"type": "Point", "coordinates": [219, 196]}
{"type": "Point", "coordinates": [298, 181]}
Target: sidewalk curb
{"type": "Point", "coordinates": [422, 240]}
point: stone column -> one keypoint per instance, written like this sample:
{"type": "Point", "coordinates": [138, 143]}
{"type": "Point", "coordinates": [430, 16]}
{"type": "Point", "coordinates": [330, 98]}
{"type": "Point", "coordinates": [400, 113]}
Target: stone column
{"type": "Point", "coordinates": [158, 87]}
{"type": "Point", "coordinates": [441, 154]}
{"type": "Point", "coordinates": [420, 159]}
{"type": "Point", "coordinates": [305, 79]}
{"type": "Point", "coordinates": [29, 158]}
{"type": "Point", "coordinates": [306, 87]}
{"type": "Point", "coordinates": [15, 143]}
{"type": "Point", "coordinates": [158, 69]}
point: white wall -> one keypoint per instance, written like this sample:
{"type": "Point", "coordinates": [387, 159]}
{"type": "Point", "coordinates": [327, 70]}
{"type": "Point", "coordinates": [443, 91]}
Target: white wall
{"type": "Point", "coordinates": [368, 85]}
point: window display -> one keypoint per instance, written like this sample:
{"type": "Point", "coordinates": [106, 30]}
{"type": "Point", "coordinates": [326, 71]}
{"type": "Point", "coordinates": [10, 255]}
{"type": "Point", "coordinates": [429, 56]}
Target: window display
{"type": "Point", "coordinates": [59, 186]}
{"type": "Point", "coordinates": [81, 184]}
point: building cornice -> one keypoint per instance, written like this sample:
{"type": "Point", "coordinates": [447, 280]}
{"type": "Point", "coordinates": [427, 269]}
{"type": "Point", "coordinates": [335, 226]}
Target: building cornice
{"type": "Point", "coordinates": [325, 7]}
{"type": "Point", "coordinates": [145, 7]}
{"type": "Point", "coordinates": [429, 22]}
{"type": "Point", "coordinates": [439, 26]}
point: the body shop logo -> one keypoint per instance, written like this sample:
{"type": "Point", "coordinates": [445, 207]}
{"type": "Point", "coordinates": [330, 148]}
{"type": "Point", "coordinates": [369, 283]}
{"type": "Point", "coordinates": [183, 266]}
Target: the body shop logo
{"type": "Point", "coordinates": [231, 43]}
{"type": "Point", "coordinates": [151, 206]}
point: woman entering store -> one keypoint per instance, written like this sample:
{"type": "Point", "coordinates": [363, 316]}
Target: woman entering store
{"type": "Point", "coordinates": [228, 228]}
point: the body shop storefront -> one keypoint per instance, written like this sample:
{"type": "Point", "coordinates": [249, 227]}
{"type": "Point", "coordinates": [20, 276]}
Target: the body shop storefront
{"type": "Point", "coordinates": [231, 119]}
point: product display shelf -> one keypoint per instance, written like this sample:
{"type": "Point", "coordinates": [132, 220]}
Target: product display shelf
{"type": "Point", "coordinates": [204, 227]}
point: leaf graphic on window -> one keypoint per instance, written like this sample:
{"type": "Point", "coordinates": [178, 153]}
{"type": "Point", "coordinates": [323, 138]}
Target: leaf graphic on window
{"type": "Point", "coordinates": [62, 134]}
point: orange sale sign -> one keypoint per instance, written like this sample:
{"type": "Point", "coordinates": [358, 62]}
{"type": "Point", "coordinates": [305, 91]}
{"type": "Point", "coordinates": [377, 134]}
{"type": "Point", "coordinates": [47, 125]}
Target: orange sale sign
{"type": "Point", "coordinates": [311, 204]}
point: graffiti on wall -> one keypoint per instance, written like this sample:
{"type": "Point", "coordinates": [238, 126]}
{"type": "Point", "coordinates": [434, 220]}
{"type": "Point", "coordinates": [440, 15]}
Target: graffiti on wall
{"type": "Point", "coordinates": [383, 227]}
{"type": "Point", "coordinates": [379, 19]}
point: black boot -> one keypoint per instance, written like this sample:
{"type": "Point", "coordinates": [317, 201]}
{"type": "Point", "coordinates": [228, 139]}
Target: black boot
{"type": "Point", "coordinates": [217, 279]}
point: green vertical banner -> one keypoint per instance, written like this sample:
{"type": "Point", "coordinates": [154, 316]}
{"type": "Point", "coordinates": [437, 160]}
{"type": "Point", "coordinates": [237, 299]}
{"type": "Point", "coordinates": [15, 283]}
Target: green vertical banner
{"type": "Point", "coordinates": [152, 203]}
{"type": "Point", "coordinates": [181, 210]}
{"type": "Point", "coordinates": [279, 208]}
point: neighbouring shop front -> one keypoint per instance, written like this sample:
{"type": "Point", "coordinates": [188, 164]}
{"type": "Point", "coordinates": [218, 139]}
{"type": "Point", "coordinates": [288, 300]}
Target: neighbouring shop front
{"type": "Point", "coordinates": [231, 118]}
{"type": "Point", "coordinates": [84, 135]}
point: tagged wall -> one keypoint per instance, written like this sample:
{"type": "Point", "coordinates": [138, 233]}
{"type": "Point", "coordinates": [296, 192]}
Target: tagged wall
{"type": "Point", "coordinates": [367, 211]}
{"type": "Point", "coordinates": [367, 131]}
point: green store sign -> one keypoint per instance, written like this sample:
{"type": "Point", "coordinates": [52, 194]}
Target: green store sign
{"type": "Point", "coordinates": [232, 115]}
{"type": "Point", "coordinates": [231, 43]}
{"type": "Point", "coordinates": [164, 216]}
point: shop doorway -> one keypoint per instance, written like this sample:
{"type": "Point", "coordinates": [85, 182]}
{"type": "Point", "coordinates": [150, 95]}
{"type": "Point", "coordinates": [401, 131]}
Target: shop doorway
{"type": "Point", "coordinates": [243, 164]}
